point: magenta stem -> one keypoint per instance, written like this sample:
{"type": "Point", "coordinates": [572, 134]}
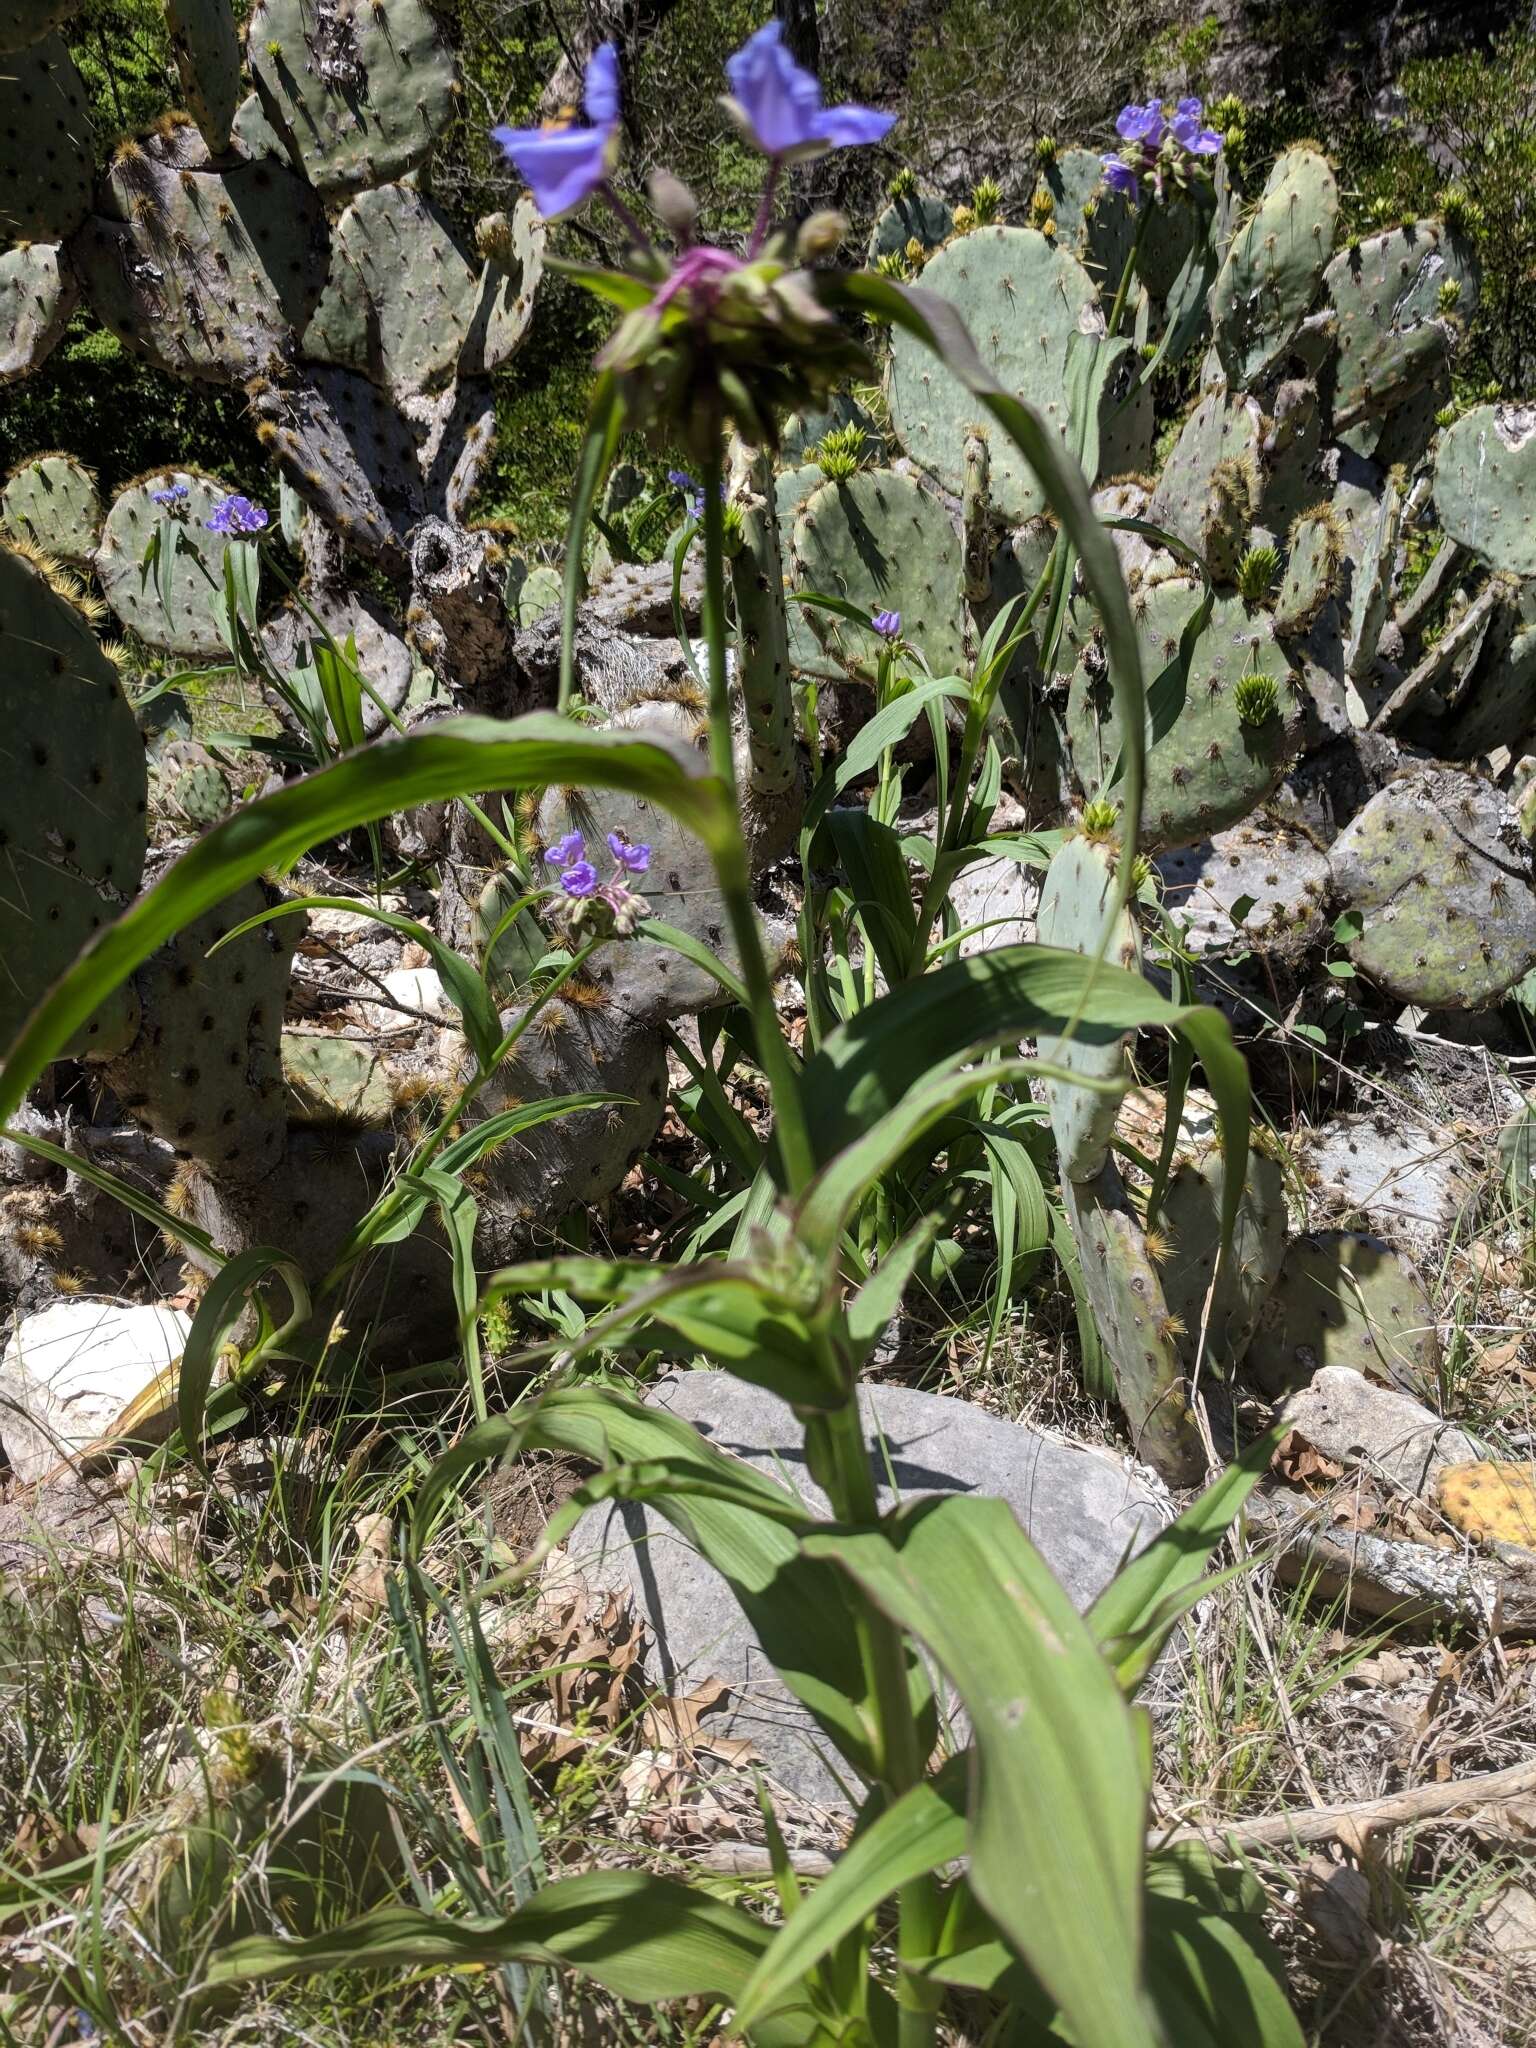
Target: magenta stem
{"type": "Point", "coordinates": [764, 219]}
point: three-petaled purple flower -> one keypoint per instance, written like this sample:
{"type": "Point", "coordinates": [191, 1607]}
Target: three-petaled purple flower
{"type": "Point", "coordinates": [632, 859]}
{"type": "Point", "coordinates": [1190, 132]}
{"type": "Point", "coordinates": [580, 879]}
{"type": "Point", "coordinates": [778, 108]}
{"type": "Point", "coordinates": [1152, 143]}
{"type": "Point", "coordinates": [692, 490]}
{"type": "Point", "coordinates": [562, 166]}
{"type": "Point", "coordinates": [236, 514]}
{"type": "Point", "coordinates": [566, 850]}
{"type": "Point", "coordinates": [887, 625]}
{"type": "Point", "coordinates": [173, 494]}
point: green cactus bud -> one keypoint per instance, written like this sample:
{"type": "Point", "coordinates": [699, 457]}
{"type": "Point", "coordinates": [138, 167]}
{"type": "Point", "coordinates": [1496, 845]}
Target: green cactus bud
{"type": "Point", "coordinates": [1257, 699]}
{"type": "Point", "coordinates": [1045, 150]}
{"type": "Point", "coordinates": [986, 199]}
{"type": "Point", "coordinates": [1042, 211]}
{"type": "Point", "coordinates": [965, 219]}
{"type": "Point", "coordinates": [904, 184]}
{"type": "Point", "coordinates": [1256, 574]}
{"type": "Point", "coordinates": [841, 453]}
{"type": "Point", "coordinates": [1100, 820]}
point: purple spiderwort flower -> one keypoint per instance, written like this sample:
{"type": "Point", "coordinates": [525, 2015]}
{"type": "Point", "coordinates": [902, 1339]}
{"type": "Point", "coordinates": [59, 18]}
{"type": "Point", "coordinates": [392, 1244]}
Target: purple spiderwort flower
{"type": "Point", "coordinates": [564, 166]}
{"type": "Point", "coordinates": [1119, 177]}
{"type": "Point", "coordinates": [778, 105]}
{"type": "Point", "coordinates": [1141, 124]}
{"type": "Point", "coordinates": [580, 879]}
{"type": "Point", "coordinates": [173, 494]}
{"type": "Point", "coordinates": [632, 859]}
{"type": "Point", "coordinates": [1190, 132]}
{"type": "Point", "coordinates": [692, 490]}
{"type": "Point", "coordinates": [566, 851]}
{"type": "Point", "coordinates": [236, 514]}
{"type": "Point", "coordinates": [887, 625]}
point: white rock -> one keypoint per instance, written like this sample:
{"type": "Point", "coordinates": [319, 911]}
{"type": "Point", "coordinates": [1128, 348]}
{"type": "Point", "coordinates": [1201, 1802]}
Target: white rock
{"type": "Point", "coordinates": [1356, 1423]}
{"type": "Point", "coordinates": [420, 988]}
{"type": "Point", "coordinates": [70, 1371]}
{"type": "Point", "coordinates": [1000, 894]}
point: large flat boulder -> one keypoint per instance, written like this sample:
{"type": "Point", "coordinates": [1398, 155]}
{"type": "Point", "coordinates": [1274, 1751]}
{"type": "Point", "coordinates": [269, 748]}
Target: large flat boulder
{"type": "Point", "coordinates": [1083, 1508]}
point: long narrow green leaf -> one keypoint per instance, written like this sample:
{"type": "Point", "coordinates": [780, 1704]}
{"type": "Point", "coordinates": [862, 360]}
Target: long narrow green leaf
{"type": "Point", "coordinates": [223, 1304]}
{"type": "Point", "coordinates": [175, 1228]}
{"type": "Point", "coordinates": [459, 755]}
{"type": "Point", "coordinates": [1059, 1794]}
{"type": "Point", "coordinates": [924, 1829]}
{"type": "Point", "coordinates": [640, 1937]}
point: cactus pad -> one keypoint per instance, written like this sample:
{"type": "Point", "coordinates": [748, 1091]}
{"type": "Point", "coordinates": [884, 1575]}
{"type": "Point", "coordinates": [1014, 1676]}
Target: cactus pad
{"type": "Point", "coordinates": [363, 90]}
{"type": "Point", "coordinates": [72, 817]}
{"type": "Point", "coordinates": [885, 544]}
{"type": "Point", "coordinates": [1074, 913]}
{"type": "Point", "coordinates": [1343, 1298]}
{"type": "Point", "coordinates": [1437, 869]}
{"type": "Point", "coordinates": [137, 590]}
{"type": "Point", "coordinates": [1135, 1325]}
{"type": "Point", "coordinates": [1211, 765]}
{"type": "Point", "coordinates": [1370, 593]}
{"type": "Point", "coordinates": [334, 1081]}
{"type": "Point", "coordinates": [206, 46]}
{"type": "Point", "coordinates": [1394, 331]}
{"type": "Point", "coordinates": [38, 293]}
{"type": "Point", "coordinates": [207, 273]}
{"type": "Point", "coordinates": [51, 500]}
{"type": "Point", "coordinates": [1191, 1219]}
{"type": "Point", "coordinates": [400, 296]}
{"type": "Point", "coordinates": [1095, 222]}
{"type": "Point", "coordinates": [504, 302]}
{"type": "Point", "coordinates": [28, 21]}
{"type": "Point", "coordinates": [1499, 707]}
{"type": "Point", "coordinates": [1485, 485]}
{"type": "Point", "coordinates": [1311, 571]}
{"type": "Point", "coordinates": [1492, 1501]}
{"type": "Point", "coordinates": [1023, 298]}
{"type": "Point", "coordinates": [914, 217]}
{"type": "Point", "coordinates": [1276, 872]}
{"type": "Point", "coordinates": [1210, 487]}
{"type": "Point", "coordinates": [1274, 266]}
{"type": "Point", "coordinates": [382, 656]}
{"type": "Point", "coordinates": [46, 147]}
{"type": "Point", "coordinates": [204, 1072]}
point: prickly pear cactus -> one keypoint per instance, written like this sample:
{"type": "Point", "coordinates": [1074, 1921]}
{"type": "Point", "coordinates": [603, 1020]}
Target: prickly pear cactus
{"type": "Point", "coordinates": [1212, 483]}
{"type": "Point", "coordinates": [1189, 1225]}
{"type": "Point", "coordinates": [46, 150]}
{"type": "Point", "coordinates": [210, 273]}
{"type": "Point", "coordinates": [762, 623]}
{"type": "Point", "coordinates": [1260, 887]}
{"type": "Point", "coordinates": [206, 46]}
{"type": "Point", "coordinates": [1499, 706]}
{"type": "Point", "coordinates": [1139, 1332]}
{"type": "Point", "coordinates": [72, 818]}
{"type": "Point", "coordinates": [400, 296]}
{"type": "Point", "coordinates": [51, 500]}
{"type": "Point", "coordinates": [918, 217]}
{"type": "Point", "coordinates": [1370, 594]}
{"type": "Point", "coordinates": [1345, 1299]}
{"type": "Point", "coordinates": [1397, 296]}
{"type": "Point", "coordinates": [1274, 266]}
{"type": "Point", "coordinates": [28, 21]}
{"type": "Point", "coordinates": [1088, 217]}
{"type": "Point", "coordinates": [884, 543]}
{"type": "Point", "coordinates": [1074, 913]}
{"type": "Point", "coordinates": [1236, 730]}
{"type": "Point", "coordinates": [168, 602]}
{"type": "Point", "coordinates": [1485, 485]}
{"type": "Point", "coordinates": [1311, 571]}
{"type": "Point", "coordinates": [334, 1080]}
{"type": "Point", "coordinates": [1491, 1501]}
{"type": "Point", "coordinates": [1440, 875]}
{"type": "Point", "coordinates": [382, 655]}
{"type": "Point", "coordinates": [38, 293]}
{"type": "Point", "coordinates": [355, 92]}
{"type": "Point", "coordinates": [1022, 297]}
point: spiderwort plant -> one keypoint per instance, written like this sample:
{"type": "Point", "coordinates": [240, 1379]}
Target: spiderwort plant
{"type": "Point", "coordinates": [1161, 145]}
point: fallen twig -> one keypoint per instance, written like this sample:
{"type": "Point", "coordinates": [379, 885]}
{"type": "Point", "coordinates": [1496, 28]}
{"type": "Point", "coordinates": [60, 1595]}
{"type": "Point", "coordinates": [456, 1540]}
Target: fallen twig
{"type": "Point", "coordinates": [1361, 1816]}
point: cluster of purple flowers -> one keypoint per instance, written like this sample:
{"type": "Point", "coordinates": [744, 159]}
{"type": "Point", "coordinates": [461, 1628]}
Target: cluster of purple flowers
{"type": "Point", "coordinates": [236, 514]}
{"type": "Point", "coordinates": [692, 490]}
{"type": "Point", "coordinates": [578, 877]}
{"type": "Point", "coordinates": [773, 101]}
{"type": "Point", "coordinates": [1155, 141]}
{"type": "Point", "coordinates": [887, 625]}
{"type": "Point", "coordinates": [171, 499]}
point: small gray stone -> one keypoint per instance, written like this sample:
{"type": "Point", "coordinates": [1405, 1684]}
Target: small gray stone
{"type": "Point", "coordinates": [1377, 1429]}
{"type": "Point", "coordinates": [1083, 1508]}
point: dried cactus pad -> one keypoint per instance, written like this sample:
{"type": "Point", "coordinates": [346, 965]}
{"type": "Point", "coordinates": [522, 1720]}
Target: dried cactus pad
{"type": "Point", "coordinates": [1485, 485]}
{"type": "Point", "coordinates": [72, 815]}
{"type": "Point", "coordinates": [208, 273]}
{"type": "Point", "coordinates": [1343, 1298]}
{"type": "Point", "coordinates": [206, 46]}
{"type": "Point", "coordinates": [1074, 913]}
{"type": "Point", "coordinates": [362, 87]}
{"type": "Point", "coordinates": [1258, 887]}
{"type": "Point", "coordinates": [1438, 871]}
{"type": "Point", "coordinates": [46, 147]}
{"type": "Point", "coordinates": [51, 500]}
{"type": "Point", "coordinates": [38, 293]}
{"type": "Point", "coordinates": [1022, 298]}
{"type": "Point", "coordinates": [1492, 1501]}
{"type": "Point", "coordinates": [176, 615]}
{"type": "Point", "coordinates": [400, 296]}
{"type": "Point", "coordinates": [884, 543]}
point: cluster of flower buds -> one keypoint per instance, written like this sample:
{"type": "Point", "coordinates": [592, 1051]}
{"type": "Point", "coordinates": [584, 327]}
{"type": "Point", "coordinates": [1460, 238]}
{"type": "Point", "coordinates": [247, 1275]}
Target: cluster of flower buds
{"type": "Point", "coordinates": [1159, 144]}
{"type": "Point", "coordinates": [172, 499]}
{"type": "Point", "coordinates": [720, 336]}
{"type": "Point", "coordinates": [585, 890]}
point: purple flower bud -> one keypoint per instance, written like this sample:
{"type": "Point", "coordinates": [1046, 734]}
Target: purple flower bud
{"type": "Point", "coordinates": [566, 850]}
{"type": "Point", "coordinates": [580, 880]}
{"type": "Point", "coordinates": [236, 514]}
{"type": "Point", "coordinates": [634, 860]}
{"type": "Point", "coordinates": [887, 625]}
{"type": "Point", "coordinates": [1141, 124]}
{"type": "Point", "coordinates": [777, 105]}
{"type": "Point", "coordinates": [564, 166]}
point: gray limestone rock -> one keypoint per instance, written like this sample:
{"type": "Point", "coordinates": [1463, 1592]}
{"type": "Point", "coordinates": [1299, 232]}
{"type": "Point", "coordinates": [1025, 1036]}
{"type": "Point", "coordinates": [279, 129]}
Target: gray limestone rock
{"type": "Point", "coordinates": [1378, 1429]}
{"type": "Point", "coordinates": [1084, 1508]}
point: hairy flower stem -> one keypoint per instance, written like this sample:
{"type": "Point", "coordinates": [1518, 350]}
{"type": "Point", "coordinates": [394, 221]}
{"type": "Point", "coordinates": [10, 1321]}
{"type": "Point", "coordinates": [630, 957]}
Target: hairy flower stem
{"type": "Point", "coordinates": [799, 1162]}
{"type": "Point", "coordinates": [764, 219]}
{"type": "Point", "coordinates": [626, 219]}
